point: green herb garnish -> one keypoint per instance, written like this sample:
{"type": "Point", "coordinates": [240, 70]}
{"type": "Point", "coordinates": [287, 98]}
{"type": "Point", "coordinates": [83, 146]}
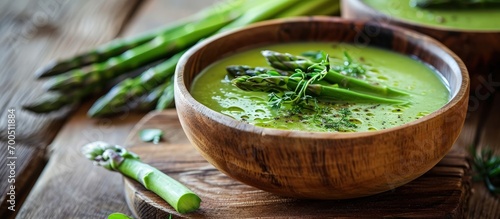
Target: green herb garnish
{"type": "Point", "coordinates": [151, 135]}
{"type": "Point", "coordinates": [487, 168]}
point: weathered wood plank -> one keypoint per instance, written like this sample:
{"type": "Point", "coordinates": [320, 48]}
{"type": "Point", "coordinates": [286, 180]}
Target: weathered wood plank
{"type": "Point", "coordinates": [70, 186]}
{"type": "Point", "coordinates": [40, 32]}
{"type": "Point", "coordinates": [27, 164]}
{"type": "Point", "coordinates": [31, 34]}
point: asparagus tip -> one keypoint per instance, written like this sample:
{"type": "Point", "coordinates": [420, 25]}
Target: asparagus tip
{"type": "Point", "coordinates": [106, 155]}
{"type": "Point", "coordinates": [47, 103]}
{"type": "Point", "coordinates": [46, 70]}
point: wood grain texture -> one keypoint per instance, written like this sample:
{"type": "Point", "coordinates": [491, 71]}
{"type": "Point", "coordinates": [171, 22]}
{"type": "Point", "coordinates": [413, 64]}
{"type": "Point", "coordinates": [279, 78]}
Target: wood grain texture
{"type": "Point", "coordinates": [481, 54]}
{"type": "Point", "coordinates": [70, 186]}
{"type": "Point", "coordinates": [322, 165]}
{"type": "Point", "coordinates": [31, 34]}
{"type": "Point", "coordinates": [25, 48]}
{"type": "Point", "coordinates": [29, 162]}
{"type": "Point", "coordinates": [38, 32]}
{"type": "Point", "coordinates": [440, 193]}
{"type": "Point", "coordinates": [480, 50]}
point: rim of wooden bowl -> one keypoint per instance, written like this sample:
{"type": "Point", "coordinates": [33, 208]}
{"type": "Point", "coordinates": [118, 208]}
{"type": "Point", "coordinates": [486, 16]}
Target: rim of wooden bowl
{"type": "Point", "coordinates": [182, 89]}
{"type": "Point", "coordinates": [360, 4]}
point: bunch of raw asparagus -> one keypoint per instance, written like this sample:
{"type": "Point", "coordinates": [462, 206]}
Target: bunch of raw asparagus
{"type": "Point", "coordinates": [71, 81]}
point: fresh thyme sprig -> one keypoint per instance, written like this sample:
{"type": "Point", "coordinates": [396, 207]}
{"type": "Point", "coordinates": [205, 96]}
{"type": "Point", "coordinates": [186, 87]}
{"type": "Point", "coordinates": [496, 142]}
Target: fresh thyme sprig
{"type": "Point", "coordinates": [308, 79]}
{"type": "Point", "coordinates": [349, 66]}
{"type": "Point", "coordinates": [487, 168]}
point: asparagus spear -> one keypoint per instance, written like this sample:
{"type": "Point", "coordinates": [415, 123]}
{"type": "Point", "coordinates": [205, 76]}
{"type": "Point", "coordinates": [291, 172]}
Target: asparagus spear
{"type": "Point", "coordinates": [78, 78]}
{"type": "Point", "coordinates": [52, 101]}
{"type": "Point", "coordinates": [240, 70]}
{"type": "Point", "coordinates": [118, 46]}
{"type": "Point", "coordinates": [289, 62]}
{"type": "Point", "coordinates": [133, 88]}
{"type": "Point", "coordinates": [309, 8]}
{"type": "Point", "coordinates": [167, 97]}
{"type": "Point", "coordinates": [118, 96]}
{"type": "Point", "coordinates": [104, 52]}
{"type": "Point", "coordinates": [150, 100]}
{"type": "Point", "coordinates": [160, 46]}
{"type": "Point", "coordinates": [286, 83]}
{"type": "Point", "coordinates": [117, 158]}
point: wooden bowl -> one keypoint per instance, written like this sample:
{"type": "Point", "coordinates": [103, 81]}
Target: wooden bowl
{"type": "Point", "coordinates": [321, 165]}
{"type": "Point", "coordinates": [480, 50]}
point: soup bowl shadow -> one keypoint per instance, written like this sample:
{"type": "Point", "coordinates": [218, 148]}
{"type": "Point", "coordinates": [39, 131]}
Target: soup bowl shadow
{"type": "Point", "coordinates": [321, 165]}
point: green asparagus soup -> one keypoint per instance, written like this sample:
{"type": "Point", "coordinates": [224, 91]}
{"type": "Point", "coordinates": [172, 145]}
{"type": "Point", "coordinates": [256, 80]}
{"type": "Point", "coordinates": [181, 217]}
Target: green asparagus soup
{"type": "Point", "coordinates": [424, 91]}
{"type": "Point", "coordinates": [464, 18]}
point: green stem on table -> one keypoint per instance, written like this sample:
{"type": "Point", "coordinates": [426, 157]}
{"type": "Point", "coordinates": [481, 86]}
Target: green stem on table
{"type": "Point", "coordinates": [150, 100]}
{"type": "Point", "coordinates": [120, 45]}
{"type": "Point", "coordinates": [133, 88]}
{"type": "Point", "coordinates": [161, 46]}
{"type": "Point", "coordinates": [167, 97]}
{"type": "Point", "coordinates": [310, 8]}
{"type": "Point", "coordinates": [114, 60]}
{"type": "Point", "coordinates": [117, 158]}
{"type": "Point", "coordinates": [55, 100]}
{"type": "Point", "coordinates": [50, 101]}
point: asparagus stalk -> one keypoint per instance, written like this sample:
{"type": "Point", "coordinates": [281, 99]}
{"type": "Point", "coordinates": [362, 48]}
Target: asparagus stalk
{"type": "Point", "coordinates": [133, 88]}
{"type": "Point", "coordinates": [241, 70]}
{"type": "Point", "coordinates": [167, 98]}
{"type": "Point", "coordinates": [118, 97]}
{"type": "Point", "coordinates": [285, 83]}
{"type": "Point", "coordinates": [98, 73]}
{"type": "Point", "coordinates": [118, 46]}
{"type": "Point", "coordinates": [52, 101]}
{"type": "Point", "coordinates": [117, 158]}
{"type": "Point", "coordinates": [289, 62]}
{"type": "Point", "coordinates": [104, 52]}
{"type": "Point", "coordinates": [160, 46]}
{"type": "Point", "coordinates": [309, 8]}
{"type": "Point", "coordinates": [150, 100]}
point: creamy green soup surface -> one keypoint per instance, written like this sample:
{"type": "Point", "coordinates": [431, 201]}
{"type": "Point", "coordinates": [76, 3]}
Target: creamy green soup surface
{"type": "Point", "coordinates": [428, 92]}
{"type": "Point", "coordinates": [469, 18]}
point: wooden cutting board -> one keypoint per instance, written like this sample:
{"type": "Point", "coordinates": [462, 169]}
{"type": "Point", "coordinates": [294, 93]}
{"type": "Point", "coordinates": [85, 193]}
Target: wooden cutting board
{"type": "Point", "coordinates": [442, 192]}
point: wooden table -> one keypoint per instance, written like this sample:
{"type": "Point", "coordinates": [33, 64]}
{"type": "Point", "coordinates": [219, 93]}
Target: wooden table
{"type": "Point", "coordinates": [52, 179]}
